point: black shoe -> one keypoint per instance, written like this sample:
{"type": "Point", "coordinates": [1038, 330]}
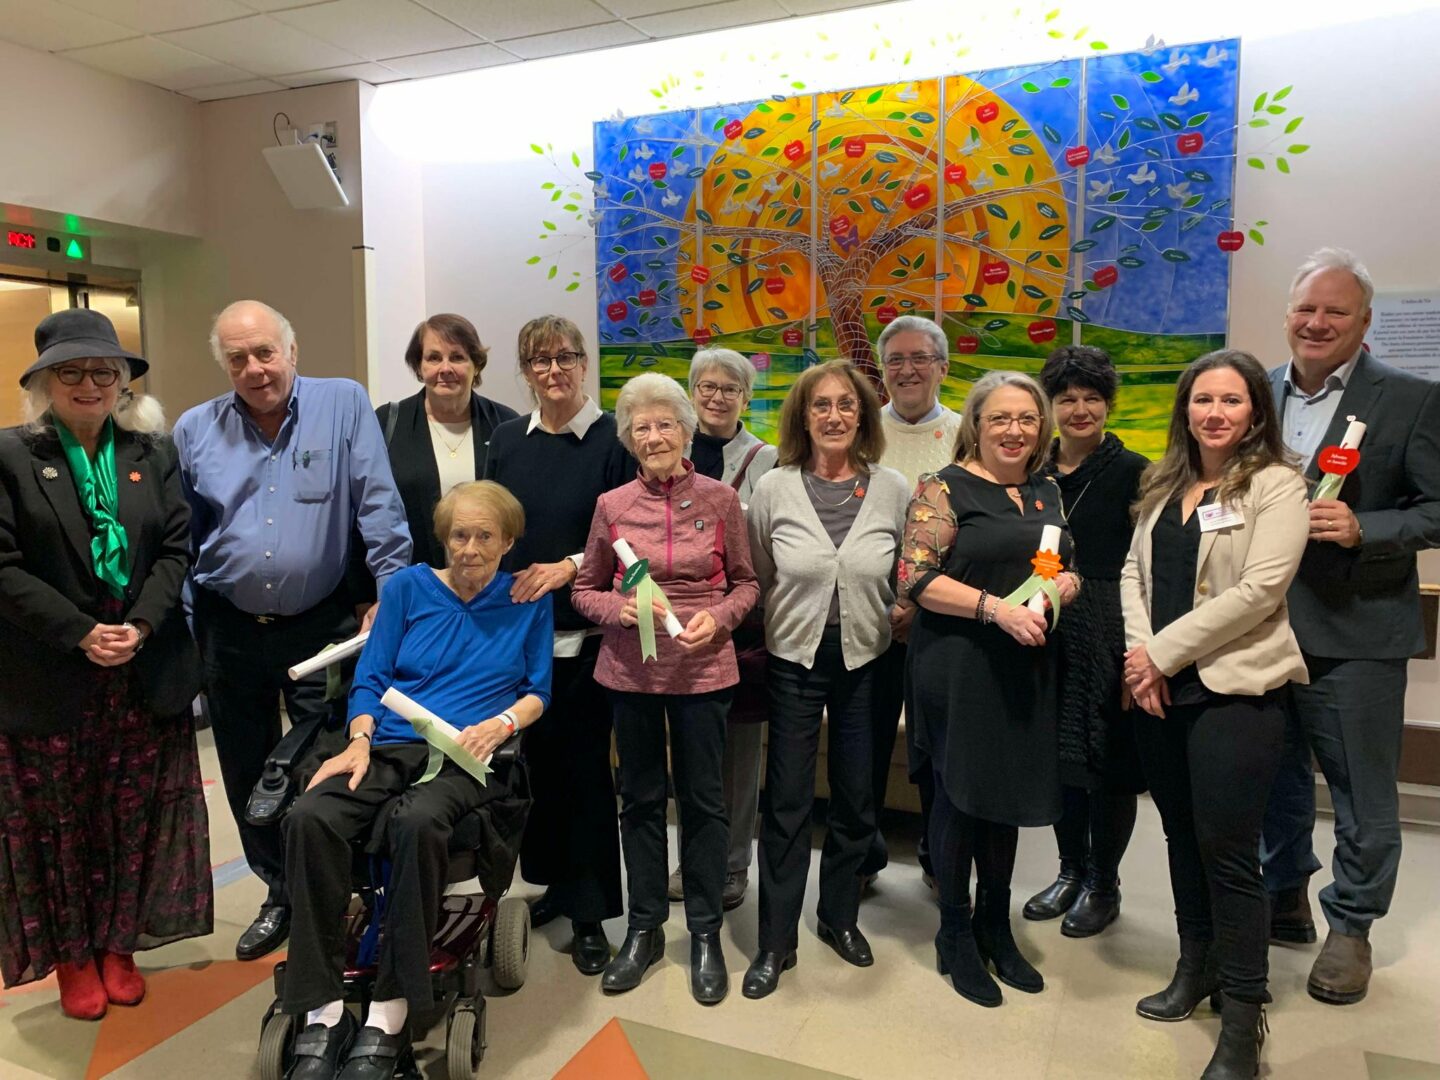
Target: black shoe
{"type": "Point", "coordinates": [641, 951]}
{"type": "Point", "coordinates": [266, 934]}
{"type": "Point", "coordinates": [375, 1056]}
{"type": "Point", "coordinates": [848, 942]}
{"type": "Point", "coordinates": [957, 956]}
{"type": "Point", "coordinates": [1056, 900]}
{"type": "Point", "coordinates": [545, 908]}
{"type": "Point", "coordinates": [320, 1049]}
{"type": "Point", "coordinates": [1242, 1034]}
{"type": "Point", "coordinates": [591, 951]}
{"type": "Point", "coordinates": [763, 975]}
{"type": "Point", "coordinates": [1194, 981]}
{"type": "Point", "coordinates": [1097, 906]}
{"type": "Point", "coordinates": [733, 895]}
{"type": "Point", "coordinates": [1290, 920]}
{"type": "Point", "coordinates": [709, 981]}
{"type": "Point", "coordinates": [996, 942]}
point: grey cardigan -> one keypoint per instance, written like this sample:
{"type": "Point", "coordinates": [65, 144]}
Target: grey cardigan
{"type": "Point", "coordinates": [799, 568]}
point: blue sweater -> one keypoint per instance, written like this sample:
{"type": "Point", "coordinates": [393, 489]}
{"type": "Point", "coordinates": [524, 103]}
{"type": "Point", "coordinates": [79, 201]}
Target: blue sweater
{"type": "Point", "coordinates": [463, 662]}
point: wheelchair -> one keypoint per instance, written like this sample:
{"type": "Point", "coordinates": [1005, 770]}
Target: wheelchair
{"type": "Point", "coordinates": [475, 931]}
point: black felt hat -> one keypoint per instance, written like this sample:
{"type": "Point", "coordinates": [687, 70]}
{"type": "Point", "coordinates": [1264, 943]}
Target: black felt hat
{"type": "Point", "coordinates": [79, 334]}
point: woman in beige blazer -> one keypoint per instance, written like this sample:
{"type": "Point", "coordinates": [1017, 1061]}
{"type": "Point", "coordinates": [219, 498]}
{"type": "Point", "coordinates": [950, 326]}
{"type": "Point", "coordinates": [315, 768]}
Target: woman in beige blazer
{"type": "Point", "coordinates": [1220, 526]}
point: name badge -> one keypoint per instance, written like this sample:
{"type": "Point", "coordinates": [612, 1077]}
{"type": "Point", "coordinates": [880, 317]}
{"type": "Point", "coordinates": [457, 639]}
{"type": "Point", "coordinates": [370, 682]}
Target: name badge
{"type": "Point", "coordinates": [1217, 516]}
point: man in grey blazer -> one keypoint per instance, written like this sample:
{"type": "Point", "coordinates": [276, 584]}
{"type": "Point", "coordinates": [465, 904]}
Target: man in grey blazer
{"type": "Point", "coordinates": [1355, 608]}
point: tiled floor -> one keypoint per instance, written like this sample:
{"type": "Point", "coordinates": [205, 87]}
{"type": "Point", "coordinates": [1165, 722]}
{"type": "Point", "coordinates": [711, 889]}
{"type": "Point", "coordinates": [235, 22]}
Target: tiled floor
{"type": "Point", "coordinates": [897, 1018]}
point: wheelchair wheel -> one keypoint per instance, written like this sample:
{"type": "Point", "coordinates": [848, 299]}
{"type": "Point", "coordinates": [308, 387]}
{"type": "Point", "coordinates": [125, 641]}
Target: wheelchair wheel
{"type": "Point", "coordinates": [465, 1041]}
{"type": "Point", "coordinates": [510, 942]}
{"type": "Point", "coordinates": [277, 1041]}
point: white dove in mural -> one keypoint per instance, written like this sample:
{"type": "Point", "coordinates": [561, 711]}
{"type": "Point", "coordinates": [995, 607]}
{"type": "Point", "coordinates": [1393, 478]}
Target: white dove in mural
{"type": "Point", "coordinates": [969, 146]}
{"type": "Point", "coordinates": [1143, 175]}
{"type": "Point", "coordinates": [837, 111]}
{"type": "Point", "coordinates": [637, 175]}
{"type": "Point", "coordinates": [908, 94]}
{"type": "Point", "coordinates": [1176, 62]}
{"type": "Point", "coordinates": [1214, 57]}
{"type": "Point", "coordinates": [829, 169]}
{"type": "Point", "coordinates": [730, 207]}
{"type": "Point", "coordinates": [1100, 188]}
{"type": "Point", "coordinates": [601, 192]}
{"type": "Point", "coordinates": [755, 206]}
{"type": "Point", "coordinates": [593, 218]}
{"type": "Point", "coordinates": [617, 117]}
{"type": "Point", "coordinates": [643, 152]}
{"type": "Point", "coordinates": [1106, 156]}
{"type": "Point", "coordinates": [1185, 95]}
{"type": "Point", "coordinates": [1153, 45]}
{"type": "Point", "coordinates": [1179, 192]}
{"type": "Point", "coordinates": [644, 126]}
{"type": "Point", "coordinates": [982, 181]}
{"type": "Point", "coordinates": [772, 184]}
{"type": "Point", "coordinates": [670, 198]}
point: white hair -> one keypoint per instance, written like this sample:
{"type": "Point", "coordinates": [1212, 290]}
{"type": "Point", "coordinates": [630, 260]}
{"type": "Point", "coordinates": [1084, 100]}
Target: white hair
{"type": "Point", "coordinates": [1333, 258]}
{"type": "Point", "coordinates": [653, 390]}
{"type": "Point", "coordinates": [138, 413]}
{"type": "Point", "coordinates": [287, 332]}
{"type": "Point", "coordinates": [728, 361]}
{"type": "Point", "coordinates": [920, 325]}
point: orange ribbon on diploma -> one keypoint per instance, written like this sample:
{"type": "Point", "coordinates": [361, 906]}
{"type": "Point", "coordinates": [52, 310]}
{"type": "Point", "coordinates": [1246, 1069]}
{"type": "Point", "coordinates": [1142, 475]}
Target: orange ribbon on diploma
{"type": "Point", "coordinates": [1040, 586]}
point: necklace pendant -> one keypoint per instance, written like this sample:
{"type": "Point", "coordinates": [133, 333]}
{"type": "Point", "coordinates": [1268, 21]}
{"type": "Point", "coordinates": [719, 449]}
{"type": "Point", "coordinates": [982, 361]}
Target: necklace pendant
{"type": "Point", "coordinates": [453, 453]}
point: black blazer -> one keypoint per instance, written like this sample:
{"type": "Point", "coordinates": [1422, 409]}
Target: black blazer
{"type": "Point", "coordinates": [50, 597]}
{"type": "Point", "coordinates": [412, 460]}
{"type": "Point", "coordinates": [1364, 602]}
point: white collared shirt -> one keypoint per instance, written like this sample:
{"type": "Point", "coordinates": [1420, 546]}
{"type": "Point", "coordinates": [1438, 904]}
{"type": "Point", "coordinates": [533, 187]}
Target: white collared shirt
{"type": "Point", "coordinates": [1308, 418]}
{"type": "Point", "coordinates": [934, 414]}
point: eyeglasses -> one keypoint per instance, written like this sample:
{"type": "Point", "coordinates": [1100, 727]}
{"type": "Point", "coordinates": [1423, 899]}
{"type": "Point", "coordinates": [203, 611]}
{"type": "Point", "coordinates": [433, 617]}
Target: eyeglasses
{"type": "Point", "coordinates": [727, 391]}
{"type": "Point", "coordinates": [1001, 421]}
{"type": "Point", "coordinates": [664, 428]}
{"type": "Point", "coordinates": [74, 376]}
{"type": "Point", "coordinates": [920, 360]}
{"type": "Point", "coordinates": [566, 361]}
{"type": "Point", "coordinates": [821, 407]}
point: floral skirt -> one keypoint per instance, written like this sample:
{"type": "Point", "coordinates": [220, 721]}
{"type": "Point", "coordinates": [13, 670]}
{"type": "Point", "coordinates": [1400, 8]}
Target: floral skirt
{"type": "Point", "coordinates": [104, 837]}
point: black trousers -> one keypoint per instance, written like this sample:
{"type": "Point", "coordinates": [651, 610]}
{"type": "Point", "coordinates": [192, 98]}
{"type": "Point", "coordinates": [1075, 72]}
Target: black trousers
{"type": "Point", "coordinates": [959, 841]}
{"type": "Point", "coordinates": [416, 823]}
{"type": "Point", "coordinates": [799, 696]}
{"type": "Point", "coordinates": [889, 700]}
{"type": "Point", "coordinates": [1210, 768]}
{"type": "Point", "coordinates": [572, 837]}
{"type": "Point", "coordinates": [245, 662]}
{"type": "Point", "coordinates": [1094, 830]}
{"type": "Point", "coordinates": [697, 747]}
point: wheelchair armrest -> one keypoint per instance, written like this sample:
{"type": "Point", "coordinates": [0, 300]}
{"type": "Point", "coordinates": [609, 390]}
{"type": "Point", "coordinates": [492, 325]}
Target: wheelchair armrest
{"type": "Point", "coordinates": [276, 788]}
{"type": "Point", "coordinates": [507, 752]}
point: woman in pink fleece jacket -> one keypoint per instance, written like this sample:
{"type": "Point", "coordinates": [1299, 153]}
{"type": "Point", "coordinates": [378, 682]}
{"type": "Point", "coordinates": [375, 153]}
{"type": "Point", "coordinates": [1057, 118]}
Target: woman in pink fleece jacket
{"type": "Point", "coordinates": [692, 531]}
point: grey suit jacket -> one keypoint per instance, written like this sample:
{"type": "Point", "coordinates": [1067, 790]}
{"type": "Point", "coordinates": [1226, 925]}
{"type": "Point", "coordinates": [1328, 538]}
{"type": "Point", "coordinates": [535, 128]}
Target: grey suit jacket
{"type": "Point", "coordinates": [1364, 602]}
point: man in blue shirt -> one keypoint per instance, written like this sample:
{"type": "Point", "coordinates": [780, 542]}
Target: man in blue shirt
{"type": "Point", "coordinates": [279, 475]}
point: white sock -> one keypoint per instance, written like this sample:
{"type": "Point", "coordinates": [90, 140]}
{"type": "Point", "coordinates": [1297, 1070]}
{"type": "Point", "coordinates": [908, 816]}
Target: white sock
{"type": "Point", "coordinates": [329, 1015]}
{"type": "Point", "coordinates": [388, 1016]}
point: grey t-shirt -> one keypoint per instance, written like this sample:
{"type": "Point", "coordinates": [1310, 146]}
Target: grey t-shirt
{"type": "Point", "coordinates": [837, 506]}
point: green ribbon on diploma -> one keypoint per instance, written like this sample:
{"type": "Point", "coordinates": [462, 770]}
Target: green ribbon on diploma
{"type": "Point", "coordinates": [1047, 568]}
{"type": "Point", "coordinates": [637, 577]}
{"type": "Point", "coordinates": [442, 746]}
{"type": "Point", "coordinates": [1329, 486]}
{"type": "Point", "coordinates": [332, 674]}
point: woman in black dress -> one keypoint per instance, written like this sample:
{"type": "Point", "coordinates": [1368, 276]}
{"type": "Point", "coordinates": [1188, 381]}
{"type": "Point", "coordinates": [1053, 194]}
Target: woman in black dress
{"type": "Point", "coordinates": [1099, 768]}
{"type": "Point", "coordinates": [982, 686]}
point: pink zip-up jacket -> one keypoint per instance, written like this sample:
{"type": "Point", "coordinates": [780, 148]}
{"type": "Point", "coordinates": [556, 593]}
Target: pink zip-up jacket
{"type": "Point", "coordinates": [692, 531]}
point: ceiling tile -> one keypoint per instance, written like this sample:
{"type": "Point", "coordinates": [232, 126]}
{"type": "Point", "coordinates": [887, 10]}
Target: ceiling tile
{"type": "Point", "coordinates": [49, 26]}
{"type": "Point", "coordinates": [815, 7]}
{"type": "Point", "coordinates": [713, 17]}
{"type": "Point", "coordinates": [450, 61]}
{"type": "Point", "coordinates": [153, 16]}
{"type": "Point", "coordinates": [153, 61]}
{"type": "Point", "coordinates": [629, 9]}
{"type": "Point", "coordinates": [376, 28]}
{"type": "Point", "coordinates": [233, 90]}
{"type": "Point", "coordinates": [501, 19]}
{"type": "Point", "coordinates": [370, 73]}
{"type": "Point", "coordinates": [262, 45]}
{"type": "Point", "coordinates": [573, 41]}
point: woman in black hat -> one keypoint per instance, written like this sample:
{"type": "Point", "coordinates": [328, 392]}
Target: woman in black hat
{"type": "Point", "coordinates": [106, 837]}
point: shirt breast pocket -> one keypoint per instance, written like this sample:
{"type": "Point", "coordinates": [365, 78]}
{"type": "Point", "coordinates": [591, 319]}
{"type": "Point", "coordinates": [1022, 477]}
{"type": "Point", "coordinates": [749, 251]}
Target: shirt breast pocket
{"type": "Point", "coordinates": [314, 475]}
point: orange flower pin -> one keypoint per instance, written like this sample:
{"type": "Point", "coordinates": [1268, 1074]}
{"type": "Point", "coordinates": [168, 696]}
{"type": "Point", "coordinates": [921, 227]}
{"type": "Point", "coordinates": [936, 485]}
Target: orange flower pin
{"type": "Point", "coordinates": [135, 476]}
{"type": "Point", "coordinates": [1047, 564]}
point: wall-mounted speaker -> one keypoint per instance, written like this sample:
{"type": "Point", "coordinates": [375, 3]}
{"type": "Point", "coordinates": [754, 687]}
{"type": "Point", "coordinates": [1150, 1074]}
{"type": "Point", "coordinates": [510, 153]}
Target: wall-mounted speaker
{"type": "Point", "coordinates": [305, 176]}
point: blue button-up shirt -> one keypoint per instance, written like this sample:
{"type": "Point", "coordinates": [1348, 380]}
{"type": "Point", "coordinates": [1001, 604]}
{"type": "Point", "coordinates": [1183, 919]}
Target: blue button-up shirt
{"type": "Point", "coordinates": [1306, 419]}
{"type": "Point", "coordinates": [271, 521]}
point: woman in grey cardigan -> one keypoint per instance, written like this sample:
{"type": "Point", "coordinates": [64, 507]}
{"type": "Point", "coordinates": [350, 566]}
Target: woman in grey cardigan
{"type": "Point", "coordinates": [825, 528]}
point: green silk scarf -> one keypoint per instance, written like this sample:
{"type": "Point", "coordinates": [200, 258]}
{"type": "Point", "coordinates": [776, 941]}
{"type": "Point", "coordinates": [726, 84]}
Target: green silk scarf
{"type": "Point", "coordinates": [98, 489]}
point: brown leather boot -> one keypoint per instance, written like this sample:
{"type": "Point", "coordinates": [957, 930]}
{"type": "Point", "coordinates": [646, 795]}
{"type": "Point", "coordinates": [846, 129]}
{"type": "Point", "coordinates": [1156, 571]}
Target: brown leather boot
{"type": "Point", "coordinates": [1290, 918]}
{"type": "Point", "coordinates": [1341, 974]}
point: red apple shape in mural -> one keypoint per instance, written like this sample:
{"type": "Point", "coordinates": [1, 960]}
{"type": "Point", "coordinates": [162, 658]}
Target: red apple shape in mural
{"type": "Point", "coordinates": [700, 274]}
{"type": "Point", "coordinates": [967, 343]}
{"type": "Point", "coordinates": [700, 335]}
{"type": "Point", "coordinates": [658, 170]}
{"type": "Point", "coordinates": [646, 298]}
{"type": "Point", "coordinates": [1077, 156]}
{"type": "Point", "coordinates": [774, 286]}
{"type": "Point", "coordinates": [617, 311]}
{"type": "Point", "coordinates": [1230, 241]}
{"type": "Point", "coordinates": [1041, 330]}
{"type": "Point", "coordinates": [987, 112]}
{"type": "Point", "coordinates": [1190, 143]}
{"type": "Point", "coordinates": [954, 174]}
{"type": "Point", "coordinates": [886, 314]}
{"type": "Point", "coordinates": [761, 361]}
{"type": "Point", "coordinates": [1106, 276]}
{"type": "Point", "coordinates": [854, 147]}
{"type": "Point", "coordinates": [839, 225]}
{"type": "Point", "coordinates": [917, 196]}
{"type": "Point", "coordinates": [733, 129]}
{"type": "Point", "coordinates": [618, 273]}
{"type": "Point", "coordinates": [791, 336]}
{"type": "Point", "coordinates": [795, 150]}
{"type": "Point", "coordinates": [995, 273]}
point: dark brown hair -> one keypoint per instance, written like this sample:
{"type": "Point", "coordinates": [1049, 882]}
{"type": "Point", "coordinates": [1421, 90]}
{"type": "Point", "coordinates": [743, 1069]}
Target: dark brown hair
{"type": "Point", "coordinates": [795, 448]}
{"type": "Point", "coordinates": [454, 330]}
{"type": "Point", "coordinates": [1082, 366]}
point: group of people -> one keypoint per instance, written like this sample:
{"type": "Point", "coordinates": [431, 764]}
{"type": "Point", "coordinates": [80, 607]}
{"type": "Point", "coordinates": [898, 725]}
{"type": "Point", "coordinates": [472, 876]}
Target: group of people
{"type": "Point", "coordinates": [660, 573]}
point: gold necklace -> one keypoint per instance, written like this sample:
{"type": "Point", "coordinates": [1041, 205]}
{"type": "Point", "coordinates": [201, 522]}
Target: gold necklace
{"type": "Point", "coordinates": [435, 427]}
{"type": "Point", "coordinates": [854, 490]}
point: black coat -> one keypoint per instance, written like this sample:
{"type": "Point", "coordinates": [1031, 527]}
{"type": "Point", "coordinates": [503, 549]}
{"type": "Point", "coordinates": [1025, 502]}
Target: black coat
{"type": "Point", "coordinates": [50, 597]}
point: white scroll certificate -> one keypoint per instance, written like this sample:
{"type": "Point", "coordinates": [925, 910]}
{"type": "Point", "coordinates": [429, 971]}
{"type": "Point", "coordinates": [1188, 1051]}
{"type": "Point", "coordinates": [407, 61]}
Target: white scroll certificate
{"type": "Point", "coordinates": [628, 558]}
{"type": "Point", "coordinates": [330, 656]}
{"type": "Point", "coordinates": [1049, 541]}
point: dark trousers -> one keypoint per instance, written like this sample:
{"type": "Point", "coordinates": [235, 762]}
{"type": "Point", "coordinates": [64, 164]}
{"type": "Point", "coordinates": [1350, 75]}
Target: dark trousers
{"type": "Point", "coordinates": [572, 838]}
{"type": "Point", "coordinates": [245, 662]}
{"type": "Point", "coordinates": [319, 830]}
{"type": "Point", "coordinates": [958, 841]}
{"type": "Point", "coordinates": [889, 698]}
{"type": "Point", "coordinates": [697, 745]}
{"type": "Point", "coordinates": [1094, 830]}
{"type": "Point", "coordinates": [1209, 768]}
{"type": "Point", "coordinates": [1352, 715]}
{"type": "Point", "coordinates": [799, 696]}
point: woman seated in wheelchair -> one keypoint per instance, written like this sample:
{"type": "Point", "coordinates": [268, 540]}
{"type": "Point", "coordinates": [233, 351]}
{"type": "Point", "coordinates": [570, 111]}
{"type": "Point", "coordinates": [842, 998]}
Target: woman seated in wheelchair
{"type": "Point", "coordinates": [453, 641]}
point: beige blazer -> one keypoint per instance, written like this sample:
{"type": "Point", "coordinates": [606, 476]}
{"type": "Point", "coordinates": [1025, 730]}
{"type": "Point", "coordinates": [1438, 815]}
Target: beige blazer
{"type": "Point", "coordinates": [1238, 632]}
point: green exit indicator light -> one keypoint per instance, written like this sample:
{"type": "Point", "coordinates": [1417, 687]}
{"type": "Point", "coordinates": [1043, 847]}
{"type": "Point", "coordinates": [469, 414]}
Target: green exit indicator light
{"type": "Point", "coordinates": [74, 251]}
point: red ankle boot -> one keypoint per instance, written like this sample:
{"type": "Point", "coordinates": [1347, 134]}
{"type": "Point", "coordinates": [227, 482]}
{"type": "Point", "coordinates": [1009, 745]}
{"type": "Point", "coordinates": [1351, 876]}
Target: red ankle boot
{"type": "Point", "coordinates": [123, 984]}
{"type": "Point", "coordinates": [81, 994]}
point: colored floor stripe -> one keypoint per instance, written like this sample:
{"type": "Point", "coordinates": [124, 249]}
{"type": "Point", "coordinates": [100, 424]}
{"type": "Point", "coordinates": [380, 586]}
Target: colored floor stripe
{"type": "Point", "coordinates": [227, 873]}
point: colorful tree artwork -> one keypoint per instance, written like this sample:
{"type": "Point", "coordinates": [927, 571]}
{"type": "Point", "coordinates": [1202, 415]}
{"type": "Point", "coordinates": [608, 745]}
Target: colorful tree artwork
{"type": "Point", "coordinates": [1080, 200]}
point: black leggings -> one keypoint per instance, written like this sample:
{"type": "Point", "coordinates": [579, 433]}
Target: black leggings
{"type": "Point", "coordinates": [957, 839]}
{"type": "Point", "coordinates": [1094, 830]}
{"type": "Point", "coordinates": [1210, 768]}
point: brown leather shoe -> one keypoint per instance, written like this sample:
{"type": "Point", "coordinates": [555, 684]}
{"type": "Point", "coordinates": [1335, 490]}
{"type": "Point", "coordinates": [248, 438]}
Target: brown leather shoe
{"type": "Point", "coordinates": [1290, 920]}
{"type": "Point", "coordinates": [1341, 974]}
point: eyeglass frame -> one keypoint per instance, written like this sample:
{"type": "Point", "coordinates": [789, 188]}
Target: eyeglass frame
{"type": "Point", "coordinates": [664, 428]}
{"type": "Point", "coordinates": [81, 373]}
{"type": "Point", "coordinates": [819, 412]}
{"type": "Point", "coordinates": [919, 361]}
{"type": "Point", "coordinates": [558, 360]}
{"type": "Point", "coordinates": [727, 391]}
{"type": "Point", "coordinates": [1027, 422]}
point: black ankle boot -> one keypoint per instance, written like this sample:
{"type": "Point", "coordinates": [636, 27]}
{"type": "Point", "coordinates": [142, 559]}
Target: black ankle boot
{"type": "Point", "coordinates": [957, 956]}
{"type": "Point", "coordinates": [1193, 982]}
{"type": "Point", "coordinates": [709, 981]}
{"type": "Point", "coordinates": [996, 941]}
{"type": "Point", "coordinates": [1242, 1034]}
{"type": "Point", "coordinates": [641, 951]}
{"type": "Point", "coordinates": [1056, 900]}
{"type": "Point", "coordinates": [1097, 906]}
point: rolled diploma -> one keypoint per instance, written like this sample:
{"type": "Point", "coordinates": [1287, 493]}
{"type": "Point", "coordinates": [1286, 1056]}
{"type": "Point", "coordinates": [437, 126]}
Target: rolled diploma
{"type": "Point", "coordinates": [628, 558]}
{"type": "Point", "coordinates": [1353, 434]}
{"type": "Point", "coordinates": [1049, 541]}
{"type": "Point", "coordinates": [330, 656]}
{"type": "Point", "coordinates": [411, 710]}
{"type": "Point", "coordinates": [1330, 483]}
